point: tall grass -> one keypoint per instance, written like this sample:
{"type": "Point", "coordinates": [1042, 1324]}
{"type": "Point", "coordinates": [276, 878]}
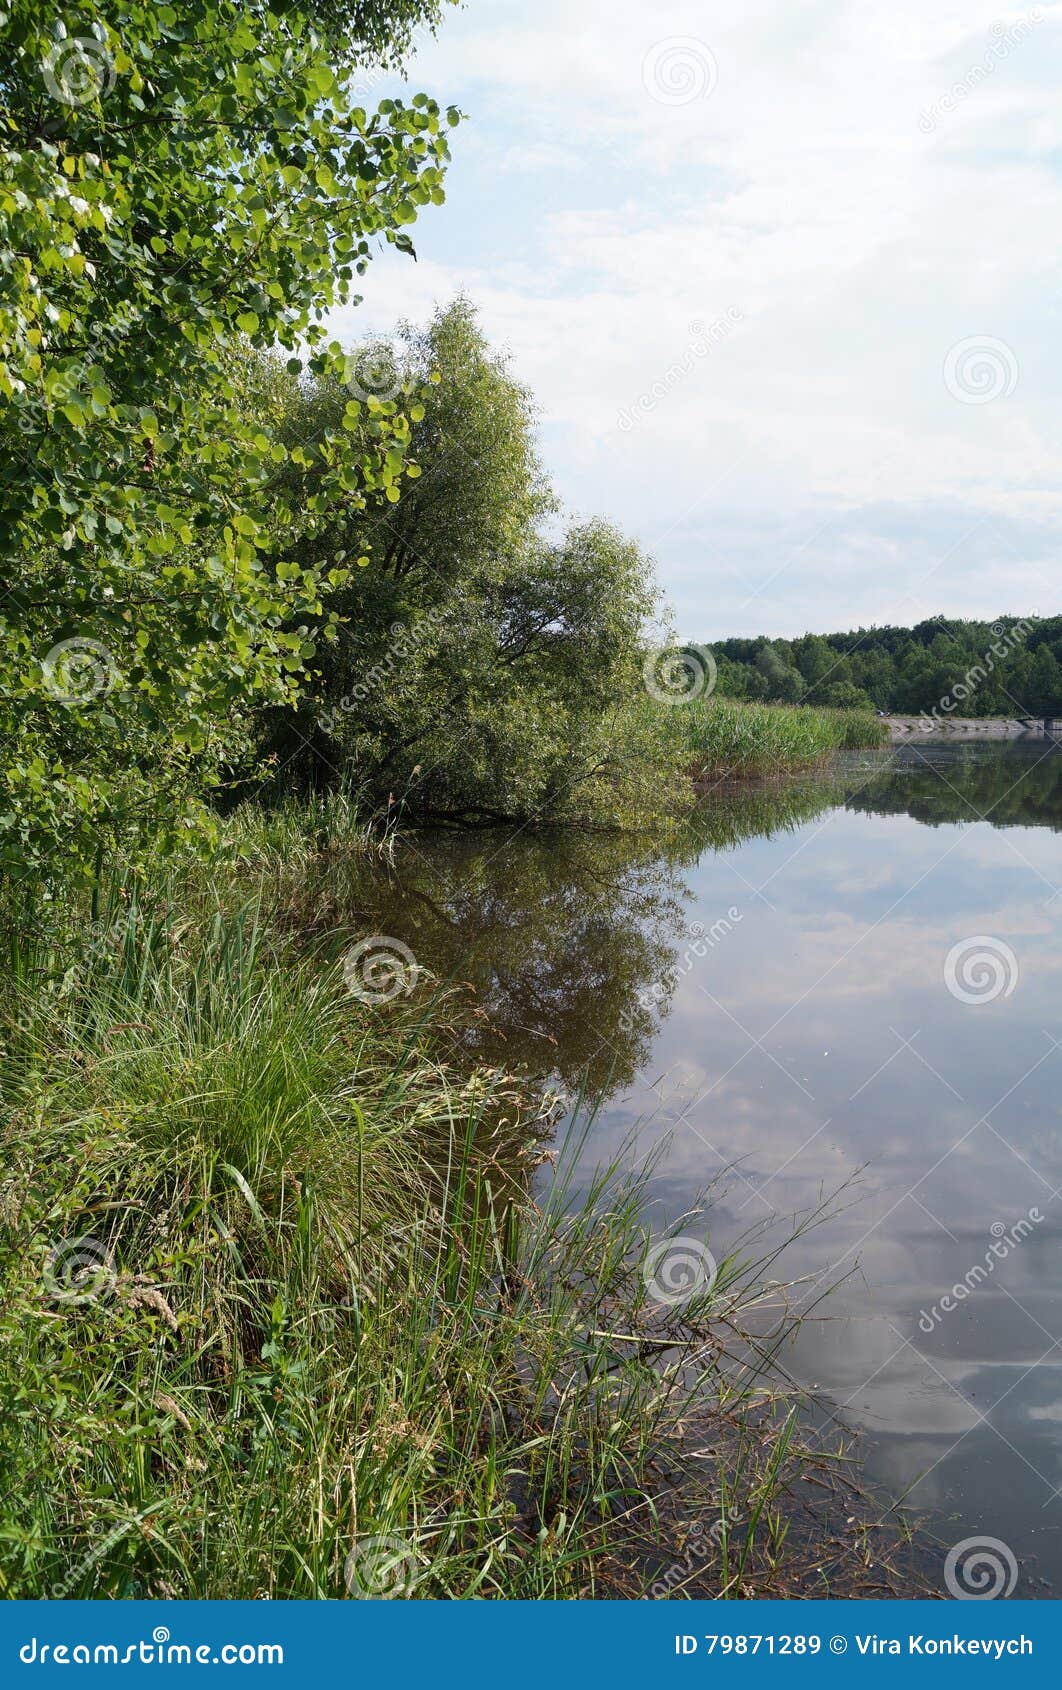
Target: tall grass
{"type": "Point", "coordinates": [280, 1314]}
{"type": "Point", "coordinates": [715, 739]}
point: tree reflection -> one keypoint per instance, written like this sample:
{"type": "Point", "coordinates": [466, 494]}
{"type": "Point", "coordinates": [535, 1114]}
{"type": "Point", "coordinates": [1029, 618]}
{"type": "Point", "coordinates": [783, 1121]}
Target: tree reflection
{"type": "Point", "coordinates": [1015, 784]}
{"type": "Point", "coordinates": [558, 936]}
{"type": "Point", "coordinates": [572, 942]}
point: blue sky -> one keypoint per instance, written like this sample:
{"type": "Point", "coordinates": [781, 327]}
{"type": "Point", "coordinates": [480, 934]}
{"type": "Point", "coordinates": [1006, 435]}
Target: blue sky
{"type": "Point", "coordinates": [785, 280]}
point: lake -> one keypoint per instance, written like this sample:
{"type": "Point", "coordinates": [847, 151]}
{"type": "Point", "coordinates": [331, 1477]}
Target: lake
{"type": "Point", "coordinates": [843, 987]}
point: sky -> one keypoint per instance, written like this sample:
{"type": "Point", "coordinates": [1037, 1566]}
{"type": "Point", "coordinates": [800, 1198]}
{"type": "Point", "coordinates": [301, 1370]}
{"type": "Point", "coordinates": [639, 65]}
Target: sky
{"type": "Point", "coordinates": [784, 278]}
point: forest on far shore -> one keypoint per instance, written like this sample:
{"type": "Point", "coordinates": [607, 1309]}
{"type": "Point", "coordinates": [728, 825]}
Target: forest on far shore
{"type": "Point", "coordinates": [1011, 666]}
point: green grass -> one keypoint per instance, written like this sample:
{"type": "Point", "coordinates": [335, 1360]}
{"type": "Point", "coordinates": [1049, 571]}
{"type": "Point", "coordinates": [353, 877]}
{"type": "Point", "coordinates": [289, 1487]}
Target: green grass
{"type": "Point", "coordinates": [714, 739]}
{"type": "Point", "coordinates": [279, 1312]}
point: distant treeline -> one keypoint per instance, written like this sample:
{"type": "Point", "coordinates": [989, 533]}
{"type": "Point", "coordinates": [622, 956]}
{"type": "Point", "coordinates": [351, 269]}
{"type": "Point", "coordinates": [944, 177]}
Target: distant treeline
{"type": "Point", "coordinates": [1009, 667]}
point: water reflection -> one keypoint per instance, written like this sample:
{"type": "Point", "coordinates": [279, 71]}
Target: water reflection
{"type": "Point", "coordinates": [823, 1045]}
{"type": "Point", "coordinates": [572, 942]}
{"type": "Point", "coordinates": [1016, 784]}
{"type": "Point", "coordinates": [815, 1043]}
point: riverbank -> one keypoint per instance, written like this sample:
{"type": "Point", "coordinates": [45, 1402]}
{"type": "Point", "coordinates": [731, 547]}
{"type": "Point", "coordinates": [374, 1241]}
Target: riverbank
{"type": "Point", "coordinates": [282, 1316]}
{"type": "Point", "coordinates": [906, 728]}
{"type": "Point", "coordinates": [290, 1308]}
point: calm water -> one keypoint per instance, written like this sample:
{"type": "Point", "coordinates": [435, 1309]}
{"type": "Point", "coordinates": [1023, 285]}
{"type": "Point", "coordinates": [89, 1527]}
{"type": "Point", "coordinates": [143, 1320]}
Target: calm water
{"type": "Point", "coordinates": [824, 1043]}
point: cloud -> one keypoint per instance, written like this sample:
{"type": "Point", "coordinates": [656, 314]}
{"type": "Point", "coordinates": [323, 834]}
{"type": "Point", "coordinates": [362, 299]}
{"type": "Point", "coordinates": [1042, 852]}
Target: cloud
{"type": "Point", "coordinates": [817, 463]}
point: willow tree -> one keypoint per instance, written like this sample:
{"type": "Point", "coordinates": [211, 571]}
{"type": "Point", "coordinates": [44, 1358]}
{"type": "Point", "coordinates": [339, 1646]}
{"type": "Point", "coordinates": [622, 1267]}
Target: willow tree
{"type": "Point", "coordinates": [484, 660]}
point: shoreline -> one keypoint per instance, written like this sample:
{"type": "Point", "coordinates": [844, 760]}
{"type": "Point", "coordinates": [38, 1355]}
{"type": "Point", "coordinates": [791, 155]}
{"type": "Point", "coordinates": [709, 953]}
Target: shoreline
{"type": "Point", "coordinates": [903, 728]}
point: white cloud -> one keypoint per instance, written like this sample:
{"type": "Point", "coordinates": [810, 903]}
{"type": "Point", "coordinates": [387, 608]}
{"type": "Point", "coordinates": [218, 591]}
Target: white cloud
{"type": "Point", "coordinates": [808, 457]}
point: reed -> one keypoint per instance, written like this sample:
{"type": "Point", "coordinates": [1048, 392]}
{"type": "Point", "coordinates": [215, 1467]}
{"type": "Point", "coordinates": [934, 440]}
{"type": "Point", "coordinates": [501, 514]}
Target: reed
{"type": "Point", "coordinates": [714, 739]}
{"type": "Point", "coordinates": [286, 1311]}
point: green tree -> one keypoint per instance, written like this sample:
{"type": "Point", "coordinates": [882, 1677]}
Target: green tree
{"type": "Point", "coordinates": [947, 667]}
{"type": "Point", "coordinates": [818, 664]}
{"type": "Point", "coordinates": [774, 662]}
{"type": "Point", "coordinates": [844, 695]}
{"type": "Point", "coordinates": [178, 182]}
{"type": "Point", "coordinates": [874, 673]}
{"type": "Point", "coordinates": [739, 680]}
{"type": "Point", "coordinates": [479, 665]}
{"type": "Point", "coordinates": [1044, 694]}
